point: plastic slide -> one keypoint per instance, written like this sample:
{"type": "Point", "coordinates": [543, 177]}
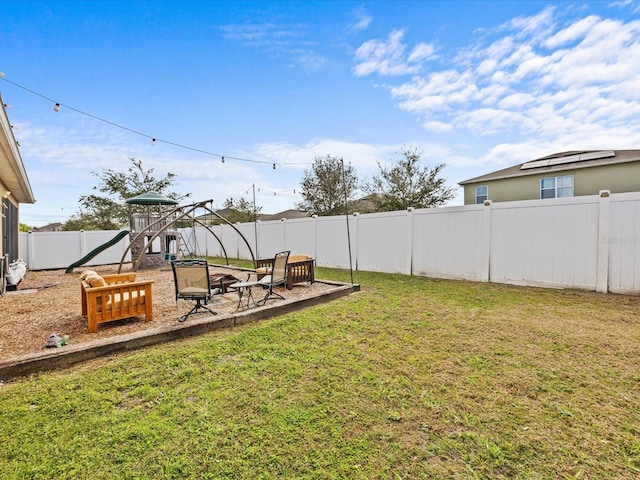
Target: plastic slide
{"type": "Point", "coordinates": [121, 234]}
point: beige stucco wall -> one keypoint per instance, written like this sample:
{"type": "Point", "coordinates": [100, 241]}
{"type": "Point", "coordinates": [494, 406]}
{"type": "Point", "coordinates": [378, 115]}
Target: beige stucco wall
{"type": "Point", "coordinates": [619, 178]}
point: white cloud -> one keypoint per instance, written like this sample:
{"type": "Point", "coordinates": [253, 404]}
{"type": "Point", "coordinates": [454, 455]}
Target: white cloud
{"type": "Point", "coordinates": [389, 57]}
{"type": "Point", "coordinates": [360, 155]}
{"type": "Point", "coordinates": [438, 126]}
{"type": "Point", "coordinates": [572, 32]}
{"type": "Point", "coordinates": [363, 20]}
{"type": "Point", "coordinates": [516, 101]}
{"type": "Point", "coordinates": [573, 83]}
{"type": "Point", "coordinates": [278, 40]}
{"type": "Point", "coordinates": [423, 51]}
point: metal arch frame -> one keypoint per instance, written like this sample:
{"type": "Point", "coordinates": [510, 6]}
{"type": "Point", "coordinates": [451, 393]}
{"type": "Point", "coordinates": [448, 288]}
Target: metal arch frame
{"type": "Point", "coordinates": [183, 214]}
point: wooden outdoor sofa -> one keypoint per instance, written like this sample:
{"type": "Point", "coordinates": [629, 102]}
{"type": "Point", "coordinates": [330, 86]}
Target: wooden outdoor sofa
{"type": "Point", "coordinates": [114, 297]}
{"type": "Point", "coordinates": [300, 268]}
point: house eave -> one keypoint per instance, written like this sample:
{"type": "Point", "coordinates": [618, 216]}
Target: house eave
{"type": "Point", "coordinates": [12, 171]}
{"type": "Point", "coordinates": [516, 171]}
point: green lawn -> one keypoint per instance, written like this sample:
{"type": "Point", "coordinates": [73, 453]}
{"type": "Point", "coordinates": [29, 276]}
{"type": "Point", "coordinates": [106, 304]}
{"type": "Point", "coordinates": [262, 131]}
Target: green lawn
{"type": "Point", "coordinates": [410, 378]}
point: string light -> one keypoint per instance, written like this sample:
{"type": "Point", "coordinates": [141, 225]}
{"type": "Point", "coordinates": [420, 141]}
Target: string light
{"type": "Point", "coordinates": [269, 191]}
{"type": "Point", "coordinates": [153, 142]}
{"type": "Point", "coordinates": [57, 106]}
{"type": "Point", "coordinates": [222, 159]}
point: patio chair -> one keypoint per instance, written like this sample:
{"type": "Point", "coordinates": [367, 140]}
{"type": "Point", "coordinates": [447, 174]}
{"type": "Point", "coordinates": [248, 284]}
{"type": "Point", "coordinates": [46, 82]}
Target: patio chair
{"type": "Point", "coordinates": [191, 279]}
{"type": "Point", "coordinates": [276, 278]}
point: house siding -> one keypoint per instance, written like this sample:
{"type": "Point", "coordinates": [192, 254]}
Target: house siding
{"type": "Point", "coordinates": [619, 178]}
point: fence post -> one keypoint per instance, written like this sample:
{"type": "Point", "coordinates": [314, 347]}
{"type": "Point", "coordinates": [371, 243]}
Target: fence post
{"type": "Point", "coordinates": [83, 246]}
{"type": "Point", "coordinates": [485, 275]}
{"type": "Point", "coordinates": [315, 237]}
{"type": "Point", "coordinates": [604, 209]}
{"type": "Point", "coordinates": [408, 267]}
{"type": "Point", "coordinates": [354, 241]}
{"type": "Point", "coordinates": [31, 250]}
{"type": "Point", "coordinates": [284, 233]}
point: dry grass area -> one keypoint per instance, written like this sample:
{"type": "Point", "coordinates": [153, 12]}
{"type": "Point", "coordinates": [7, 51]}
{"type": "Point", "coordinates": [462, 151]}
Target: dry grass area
{"type": "Point", "coordinates": [49, 302]}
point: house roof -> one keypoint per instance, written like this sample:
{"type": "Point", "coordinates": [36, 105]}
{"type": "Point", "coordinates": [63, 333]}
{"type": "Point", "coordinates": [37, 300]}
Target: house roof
{"type": "Point", "coordinates": [12, 172]}
{"type": "Point", "coordinates": [559, 162]}
{"type": "Point", "coordinates": [288, 214]}
{"type": "Point", "coordinates": [50, 227]}
{"type": "Point", "coordinates": [151, 198]}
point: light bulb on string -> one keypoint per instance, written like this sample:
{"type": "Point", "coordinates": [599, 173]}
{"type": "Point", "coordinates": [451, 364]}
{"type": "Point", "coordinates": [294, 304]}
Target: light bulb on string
{"type": "Point", "coordinates": [153, 142]}
{"type": "Point", "coordinates": [222, 159]}
{"type": "Point", "coordinates": [274, 166]}
{"type": "Point", "coordinates": [56, 107]}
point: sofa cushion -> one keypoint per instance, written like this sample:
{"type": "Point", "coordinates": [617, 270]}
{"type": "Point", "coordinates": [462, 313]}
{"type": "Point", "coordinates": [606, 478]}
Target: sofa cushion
{"type": "Point", "coordinates": [87, 273]}
{"type": "Point", "coordinates": [298, 258]}
{"type": "Point", "coordinates": [95, 281]}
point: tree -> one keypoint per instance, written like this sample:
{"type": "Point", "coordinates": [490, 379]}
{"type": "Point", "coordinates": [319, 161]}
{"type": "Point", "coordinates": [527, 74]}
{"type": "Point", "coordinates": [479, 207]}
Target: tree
{"type": "Point", "coordinates": [324, 186]}
{"type": "Point", "coordinates": [110, 211]}
{"type": "Point", "coordinates": [405, 184]}
{"type": "Point", "coordinates": [239, 210]}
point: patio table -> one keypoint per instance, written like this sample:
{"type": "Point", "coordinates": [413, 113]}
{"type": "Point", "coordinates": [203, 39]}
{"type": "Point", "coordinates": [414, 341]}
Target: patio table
{"type": "Point", "coordinates": [244, 290]}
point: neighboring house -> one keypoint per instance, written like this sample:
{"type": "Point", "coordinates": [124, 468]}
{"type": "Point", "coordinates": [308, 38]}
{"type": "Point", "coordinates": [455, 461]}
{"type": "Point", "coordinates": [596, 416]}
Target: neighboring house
{"type": "Point", "coordinates": [14, 187]}
{"type": "Point", "coordinates": [228, 214]}
{"type": "Point", "coordinates": [51, 227]}
{"type": "Point", "coordinates": [567, 174]}
{"type": "Point", "coordinates": [288, 214]}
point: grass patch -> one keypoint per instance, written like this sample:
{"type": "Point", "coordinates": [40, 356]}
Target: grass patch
{"type": "Point", "coordinates": [409, 378]}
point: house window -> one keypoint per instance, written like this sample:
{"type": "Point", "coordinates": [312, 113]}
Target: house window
{"type": "Point", "coordinates": [482, 194]}
{"type": "Point", "coordinates": [556, 187]}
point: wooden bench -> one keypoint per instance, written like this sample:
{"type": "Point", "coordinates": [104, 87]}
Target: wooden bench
{"type": "Point", "coordinates": [120, 297]}
{"type": "Point", "coordinates": [300, 268]}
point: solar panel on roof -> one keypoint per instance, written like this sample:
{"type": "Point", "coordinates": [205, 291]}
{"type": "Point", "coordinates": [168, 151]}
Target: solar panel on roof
{"type": "Point", "coordinates": [568, 159]}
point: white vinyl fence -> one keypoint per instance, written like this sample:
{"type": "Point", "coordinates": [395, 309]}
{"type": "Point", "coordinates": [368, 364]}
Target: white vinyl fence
{"type": "Point", "coordinates": [590, 242]}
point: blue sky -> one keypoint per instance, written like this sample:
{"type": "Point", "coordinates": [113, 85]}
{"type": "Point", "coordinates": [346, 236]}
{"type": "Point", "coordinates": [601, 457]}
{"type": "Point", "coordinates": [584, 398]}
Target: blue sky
{"type": "Point", "coordinates": [476, 85]}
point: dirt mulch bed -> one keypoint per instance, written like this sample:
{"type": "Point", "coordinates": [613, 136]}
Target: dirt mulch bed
{"type": "Point", "coordinates": [48, 302]}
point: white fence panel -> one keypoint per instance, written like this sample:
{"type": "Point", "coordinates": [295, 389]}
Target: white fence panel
{"type": "Point", "coordinates": [112, 254]}
{"type": "Point", "coordinates": [451, 242]}
{"type": "Point", "coordinates": [624, 243]}
{"type": "Point", "coordinates": [332, 242]}
{"type": "Point", "coordinates": [382, 242]}
{"type": "Point", "coordinates": [49, 250]}
{"type": "Point", "coordinates": [213, 242]}
{"type": "Point", "coordinates": [230, 241]}
{"type": "Point", "coordinates": [545, 242]}
{"type": "Point", "coordinates": [249, 232]}
{"type": "Point", "coordinates": [271, 238]}
{"type": "Point", "coordinates": [300, 236]}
